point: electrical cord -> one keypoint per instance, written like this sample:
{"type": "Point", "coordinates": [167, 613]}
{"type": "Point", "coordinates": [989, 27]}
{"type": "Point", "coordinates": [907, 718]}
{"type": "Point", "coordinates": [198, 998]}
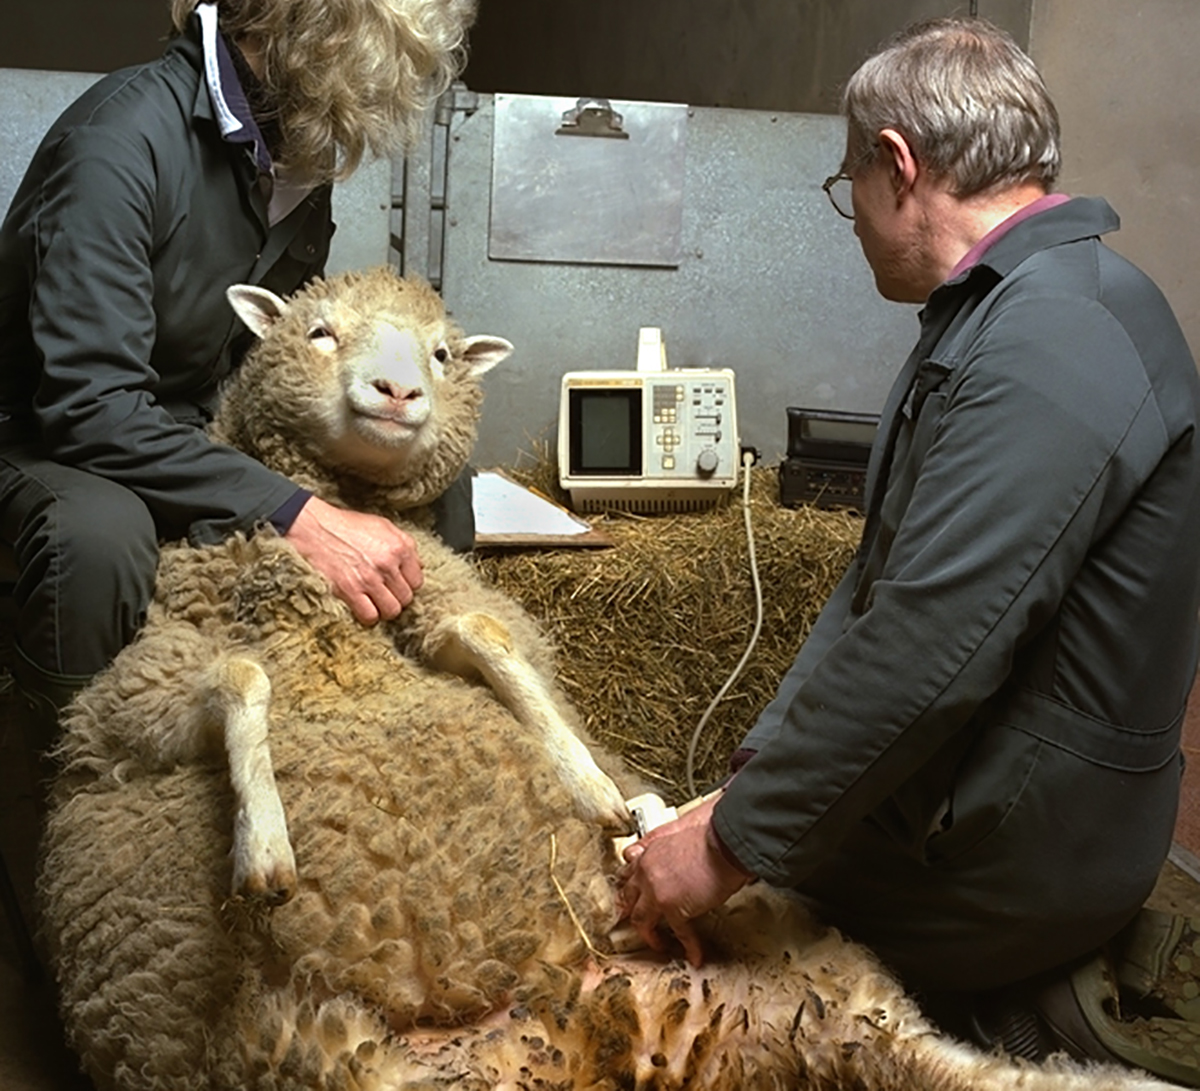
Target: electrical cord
{"type": "Point", "coordinates": [747, 462]}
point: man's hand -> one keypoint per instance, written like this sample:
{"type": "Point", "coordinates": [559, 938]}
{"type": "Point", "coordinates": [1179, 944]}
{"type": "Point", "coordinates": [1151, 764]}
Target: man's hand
{"type": "Point", "coordinates": [371, 564]}
{"type": "Point", "coordinates": [673, 875]}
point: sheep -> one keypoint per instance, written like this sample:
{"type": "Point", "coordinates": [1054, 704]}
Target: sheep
{"type": "Point", "coordinates": [398, 405]}
{"type": "Point", "coordinates": [285, 850]}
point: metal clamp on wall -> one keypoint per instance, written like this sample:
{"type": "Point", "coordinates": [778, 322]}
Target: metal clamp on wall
{"type": "Point", "coordinates": [593, 117]}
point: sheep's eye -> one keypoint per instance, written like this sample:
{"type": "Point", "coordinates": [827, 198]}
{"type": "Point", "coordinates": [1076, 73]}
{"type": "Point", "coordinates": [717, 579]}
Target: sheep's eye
{"type": "Point", "coordinates": [442, 355]}
{"type": "Point", "coordinates": [318, 332]}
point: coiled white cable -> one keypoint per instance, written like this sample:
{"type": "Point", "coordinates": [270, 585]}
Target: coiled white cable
{"type": "Point", "coordinates": [747, 462]}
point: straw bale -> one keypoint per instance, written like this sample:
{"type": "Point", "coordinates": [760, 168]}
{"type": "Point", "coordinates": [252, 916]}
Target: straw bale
{"type": "Point", "coordinates": [649, 630]}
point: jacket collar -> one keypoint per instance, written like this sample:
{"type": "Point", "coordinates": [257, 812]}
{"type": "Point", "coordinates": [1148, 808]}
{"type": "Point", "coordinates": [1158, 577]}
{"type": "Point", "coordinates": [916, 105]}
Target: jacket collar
{"type": "Point", "coordinates": [228, 98]}
{"type": "Point", "coordinates": [1076, 219]}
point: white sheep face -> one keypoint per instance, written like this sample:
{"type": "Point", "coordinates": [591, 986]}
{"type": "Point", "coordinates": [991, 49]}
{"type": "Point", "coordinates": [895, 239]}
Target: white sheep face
{"type": "Point", "coordinates": [374, 386]}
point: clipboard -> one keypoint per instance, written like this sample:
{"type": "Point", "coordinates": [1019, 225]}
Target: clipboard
{"type": "Point", "coordinates": [508, 514]}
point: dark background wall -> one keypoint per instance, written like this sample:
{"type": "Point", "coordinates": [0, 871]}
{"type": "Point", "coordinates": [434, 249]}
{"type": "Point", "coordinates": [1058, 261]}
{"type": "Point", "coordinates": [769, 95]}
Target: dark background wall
{"type": "Point", "coordinates": [755, 54]}
{"type": "Point", "coordinates": [82, 35]}
{"type": "Point", "coordinates": [788, 55]}
{"type": "Point", "coordinates": [1124, 77]}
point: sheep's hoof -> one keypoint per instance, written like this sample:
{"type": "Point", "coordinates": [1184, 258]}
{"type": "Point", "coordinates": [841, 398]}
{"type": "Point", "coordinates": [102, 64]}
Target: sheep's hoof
{"type": "Point", "coordinates": [264, 866]}
{"type": "Point", "coordinates": [598, 799]}
{"type": "Point", "coordinates": [268, 887]}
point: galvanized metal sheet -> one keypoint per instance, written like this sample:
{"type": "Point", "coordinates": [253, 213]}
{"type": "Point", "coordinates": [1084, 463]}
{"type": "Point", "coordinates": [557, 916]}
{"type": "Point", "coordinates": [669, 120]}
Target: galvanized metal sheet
{"type": "Point", "coordinates": [564, 190]}
{"type": "Point", "coordinates": [771, 282]}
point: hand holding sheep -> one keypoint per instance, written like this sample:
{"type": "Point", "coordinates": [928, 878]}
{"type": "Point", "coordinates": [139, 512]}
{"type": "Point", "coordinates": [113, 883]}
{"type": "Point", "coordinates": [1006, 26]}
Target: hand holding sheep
{"type": "Point", "coordinates": [370, 563]}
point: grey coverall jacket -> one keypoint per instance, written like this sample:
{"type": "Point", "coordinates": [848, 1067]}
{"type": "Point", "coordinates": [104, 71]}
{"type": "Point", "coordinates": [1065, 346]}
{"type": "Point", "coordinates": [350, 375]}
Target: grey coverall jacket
{"type": "Point", "coordinates": [133, 218]}
{"type": "Point", "coordinates": [974, 762]}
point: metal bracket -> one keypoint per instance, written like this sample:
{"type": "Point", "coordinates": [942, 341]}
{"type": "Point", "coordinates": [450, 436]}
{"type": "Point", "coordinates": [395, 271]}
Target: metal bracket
{"type": "Point", "coordinates": [592, 117]}
{"type": "Point", "coordinates": [419, 184]}
{"type": "Point", "coordinates": [457, 98]}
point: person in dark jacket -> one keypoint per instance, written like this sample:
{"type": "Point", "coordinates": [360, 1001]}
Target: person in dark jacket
{"type": "Point", "coordinates": [973, 765]}
{"type": "Point", "coordinates": [161, 186]}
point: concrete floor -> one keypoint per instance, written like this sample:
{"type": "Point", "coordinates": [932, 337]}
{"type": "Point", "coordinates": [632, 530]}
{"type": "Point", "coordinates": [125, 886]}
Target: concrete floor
{"type": "Point", "coordinates": [1187, 827]}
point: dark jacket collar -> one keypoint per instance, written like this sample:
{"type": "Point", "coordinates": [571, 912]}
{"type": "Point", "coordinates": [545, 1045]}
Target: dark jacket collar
{"type": "Point", "coordinates": [1079, 218]}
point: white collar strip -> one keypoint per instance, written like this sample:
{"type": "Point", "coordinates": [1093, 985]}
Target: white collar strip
{"type": "Point", "coordinates": [226, 118]}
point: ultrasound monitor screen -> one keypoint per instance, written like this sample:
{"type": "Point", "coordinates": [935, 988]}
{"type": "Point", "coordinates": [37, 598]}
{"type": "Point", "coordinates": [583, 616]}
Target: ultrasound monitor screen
{"type": "Point", "coordinates": [606, 431]}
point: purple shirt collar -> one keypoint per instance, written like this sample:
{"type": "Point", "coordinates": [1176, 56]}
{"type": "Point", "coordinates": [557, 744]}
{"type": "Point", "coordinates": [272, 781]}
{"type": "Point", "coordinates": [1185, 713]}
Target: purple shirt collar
{"type": "Point", "coordinates": [973, 256]}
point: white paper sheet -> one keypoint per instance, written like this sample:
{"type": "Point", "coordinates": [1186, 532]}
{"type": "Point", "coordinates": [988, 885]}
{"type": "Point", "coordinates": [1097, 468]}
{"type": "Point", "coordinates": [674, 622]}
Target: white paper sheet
{"type": "Point", "coordinates": [503, 507]}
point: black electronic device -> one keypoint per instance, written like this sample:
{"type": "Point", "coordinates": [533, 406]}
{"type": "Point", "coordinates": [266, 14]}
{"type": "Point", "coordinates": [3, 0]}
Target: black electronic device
{"type": "Point", "coordinates": [826, 462]}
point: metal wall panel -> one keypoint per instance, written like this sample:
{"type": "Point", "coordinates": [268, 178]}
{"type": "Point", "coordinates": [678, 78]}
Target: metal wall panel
{"type": "Point", "coordinates": [32, 100]}
{"type": "Point", "coordinates": [771, 283]}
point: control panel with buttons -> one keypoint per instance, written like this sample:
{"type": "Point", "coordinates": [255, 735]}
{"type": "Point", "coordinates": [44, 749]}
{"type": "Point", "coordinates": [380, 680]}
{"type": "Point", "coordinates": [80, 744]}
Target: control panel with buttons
{"type": "Point", "coordinates": [690, 425]}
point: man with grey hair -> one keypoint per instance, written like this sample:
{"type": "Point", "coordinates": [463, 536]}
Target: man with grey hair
{"type": "Point", "coordinates": [973, 765]}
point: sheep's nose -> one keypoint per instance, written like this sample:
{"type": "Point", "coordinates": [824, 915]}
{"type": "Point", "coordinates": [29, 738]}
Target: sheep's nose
{"type": "Point", "coordinates": [397, 391]}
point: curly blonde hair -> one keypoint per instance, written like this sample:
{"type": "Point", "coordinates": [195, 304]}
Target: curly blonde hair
{"type": "Point", "coordinates": [347, 77]}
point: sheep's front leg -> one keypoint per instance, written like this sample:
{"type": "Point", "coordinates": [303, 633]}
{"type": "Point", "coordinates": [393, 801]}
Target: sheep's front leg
{"type": "Point", "coordinates": [179, 698]}
{"type": "Point", "coordinates": [264, 866]}
{"type": "Point", "coordinates": [478, 645]}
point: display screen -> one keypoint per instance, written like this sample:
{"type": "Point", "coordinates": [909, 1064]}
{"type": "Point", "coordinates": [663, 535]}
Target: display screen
{"type": "Point", "coordinates": [834, 430]}
{"type": "Point", "coordinates": [606, 431]}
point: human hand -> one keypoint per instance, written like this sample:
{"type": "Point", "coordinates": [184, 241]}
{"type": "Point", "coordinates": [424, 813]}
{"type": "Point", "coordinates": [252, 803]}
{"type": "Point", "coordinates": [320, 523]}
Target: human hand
{"type": "Point", "coordinates": [673, 875]}
{"type": "Point", "coordinates": [370, 563]}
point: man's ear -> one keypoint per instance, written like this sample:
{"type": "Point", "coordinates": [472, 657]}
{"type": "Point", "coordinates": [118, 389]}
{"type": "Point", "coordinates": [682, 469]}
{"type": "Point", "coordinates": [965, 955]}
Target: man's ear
{"type": "Point", "coordinates": [898, 156]}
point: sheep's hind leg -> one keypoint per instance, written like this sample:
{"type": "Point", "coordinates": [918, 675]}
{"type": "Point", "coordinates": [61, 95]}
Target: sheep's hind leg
{"type": "Point", "coordinates": [264, 866]}
{"type": "Point", "coordinates": [479, 644]}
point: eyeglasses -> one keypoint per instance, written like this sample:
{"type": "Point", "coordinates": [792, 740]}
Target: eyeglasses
{"type": "Point", "coordinates": [837, 186]}
{"type": "Point", "coordinates": [837, 189]}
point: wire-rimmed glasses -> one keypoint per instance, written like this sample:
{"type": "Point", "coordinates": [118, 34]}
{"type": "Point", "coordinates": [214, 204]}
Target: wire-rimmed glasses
{"type": "Point", "coordinates": [837, 189]}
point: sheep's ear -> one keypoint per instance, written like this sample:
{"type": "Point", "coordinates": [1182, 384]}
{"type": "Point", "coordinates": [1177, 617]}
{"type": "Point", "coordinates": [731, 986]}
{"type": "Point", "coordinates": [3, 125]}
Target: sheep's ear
{"type": "Point", "coordinates": [482, 353]}
{"type": "Point", "coordinates": [257, 307]}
